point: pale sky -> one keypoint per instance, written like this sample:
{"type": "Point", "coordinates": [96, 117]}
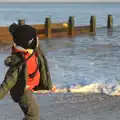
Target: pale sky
{"type": "Point", "coordinates": [59, 0]}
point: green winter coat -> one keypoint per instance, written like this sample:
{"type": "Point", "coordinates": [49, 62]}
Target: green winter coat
{"type": "Point", "coordinates": [16, 76]}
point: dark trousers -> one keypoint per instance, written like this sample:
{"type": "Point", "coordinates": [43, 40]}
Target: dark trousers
{"type": "Point", "coordinates": [29, 106]}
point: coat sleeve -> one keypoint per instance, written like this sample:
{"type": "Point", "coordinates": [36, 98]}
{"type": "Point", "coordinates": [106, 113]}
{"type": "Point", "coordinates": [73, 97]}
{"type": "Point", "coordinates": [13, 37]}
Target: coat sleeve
{"type": "Point", "coordinates": [10, 80]}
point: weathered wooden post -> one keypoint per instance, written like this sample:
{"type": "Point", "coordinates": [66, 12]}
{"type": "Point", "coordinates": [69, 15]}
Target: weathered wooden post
{"type": "Point", "coordinates": [48, 27]}
{"type": "Point", "coordinates": [21, 22]}
{"type": "Point", "coordinates": [71, 28]}
{"type": "Point", "coordinates": [110, 21]}
{"type": "Point", "coordinates": [93, 24]}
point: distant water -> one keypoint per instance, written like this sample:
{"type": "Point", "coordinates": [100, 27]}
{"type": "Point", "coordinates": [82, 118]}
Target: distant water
{"type": "Point", "coordinates": [82, 60]}
{"type": "Point", "coordinates": [36, 13]}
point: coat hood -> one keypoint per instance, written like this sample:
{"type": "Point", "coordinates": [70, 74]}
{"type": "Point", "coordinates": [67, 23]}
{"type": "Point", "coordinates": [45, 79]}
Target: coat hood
{"type": "Point", "coordinates": [12, 60]}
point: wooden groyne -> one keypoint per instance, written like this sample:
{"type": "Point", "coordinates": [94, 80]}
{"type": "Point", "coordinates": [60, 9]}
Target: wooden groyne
{"type": "Point", "coordinates": [53, 30]}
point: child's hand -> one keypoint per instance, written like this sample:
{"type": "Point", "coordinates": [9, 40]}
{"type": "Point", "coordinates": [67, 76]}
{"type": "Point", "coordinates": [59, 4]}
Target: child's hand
{"type": "Point", "coordinates": [53, 88]}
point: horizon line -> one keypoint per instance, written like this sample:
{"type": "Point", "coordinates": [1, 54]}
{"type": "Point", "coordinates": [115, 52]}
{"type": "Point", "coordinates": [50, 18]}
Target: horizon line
{"type": "Point", "coordinates": [60, 2]}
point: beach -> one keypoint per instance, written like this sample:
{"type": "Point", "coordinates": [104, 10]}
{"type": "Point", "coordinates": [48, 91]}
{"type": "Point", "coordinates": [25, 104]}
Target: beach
{"type": "Point", "coordinates": [67, 107]}
{"type": "Point", "coordinates": [91, 62]}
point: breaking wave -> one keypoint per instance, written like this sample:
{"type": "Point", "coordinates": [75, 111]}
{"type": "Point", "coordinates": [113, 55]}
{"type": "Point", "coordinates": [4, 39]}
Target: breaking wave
{"type": "Point", "coordinates": [108, 89]}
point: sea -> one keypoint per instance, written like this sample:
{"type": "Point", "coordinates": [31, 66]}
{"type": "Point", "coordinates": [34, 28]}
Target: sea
{"type": "Point", "coordinates": [90, 62]}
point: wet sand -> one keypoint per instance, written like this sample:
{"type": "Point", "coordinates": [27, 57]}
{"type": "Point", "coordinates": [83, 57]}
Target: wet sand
{"type": "Point", "coordinates": [5, 46]}
{"type": "Point", "coordinates": [67, 107]}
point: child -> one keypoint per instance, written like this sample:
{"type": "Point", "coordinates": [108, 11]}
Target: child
{"type": "Point", "coordinates": [28, 71]}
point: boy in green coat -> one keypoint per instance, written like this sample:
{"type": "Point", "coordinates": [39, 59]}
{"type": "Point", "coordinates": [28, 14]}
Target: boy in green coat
{"type": "Point", "coordinates": [28, 71]}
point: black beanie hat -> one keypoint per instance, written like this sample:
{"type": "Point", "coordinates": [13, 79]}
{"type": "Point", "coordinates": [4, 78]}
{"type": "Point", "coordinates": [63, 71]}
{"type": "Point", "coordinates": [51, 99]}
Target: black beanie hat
{"type": "Point", "coordinates": [25, 36]}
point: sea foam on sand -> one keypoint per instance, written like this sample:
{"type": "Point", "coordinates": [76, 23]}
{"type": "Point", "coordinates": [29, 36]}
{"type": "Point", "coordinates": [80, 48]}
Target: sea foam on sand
{"type": "Point", "coordinates": [91, 88]}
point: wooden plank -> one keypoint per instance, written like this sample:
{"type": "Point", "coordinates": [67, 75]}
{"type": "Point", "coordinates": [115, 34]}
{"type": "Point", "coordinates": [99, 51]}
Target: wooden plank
{"type": "Point", "coordinates": [57, 30]}
{"type": "Point", "coordinates": [61, 34]}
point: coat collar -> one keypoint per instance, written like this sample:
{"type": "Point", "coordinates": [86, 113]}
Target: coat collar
{"type": "Point", "coordinates": [16, 48]}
